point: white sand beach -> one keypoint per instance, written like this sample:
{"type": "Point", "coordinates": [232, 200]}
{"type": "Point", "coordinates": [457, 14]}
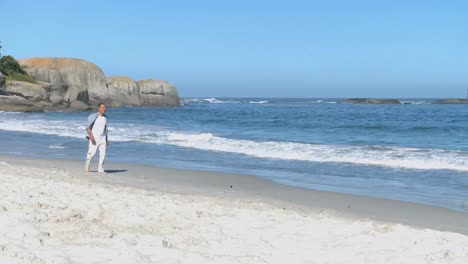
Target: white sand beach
{"type": "Point", "coordinates": [51, 212]}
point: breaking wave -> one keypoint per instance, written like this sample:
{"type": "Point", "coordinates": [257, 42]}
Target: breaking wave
{"type": "Point", "coordinates": [397, 157]}
{"type": "Point", "coordinates": [221, 101]}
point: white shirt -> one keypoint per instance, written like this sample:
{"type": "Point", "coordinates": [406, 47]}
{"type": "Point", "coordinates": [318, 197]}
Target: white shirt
{"type": "Point", "coordinates": [99, 129]}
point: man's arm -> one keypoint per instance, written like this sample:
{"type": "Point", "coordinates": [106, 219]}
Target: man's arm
{"type": "Point", "coordinates": [91, 137]}
{"type": "Point", "coordinates": [107, 134]}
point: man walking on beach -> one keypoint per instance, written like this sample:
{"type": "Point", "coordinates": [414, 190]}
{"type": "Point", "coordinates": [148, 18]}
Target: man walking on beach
{"type": "Point", "coordinates": [97, 135]}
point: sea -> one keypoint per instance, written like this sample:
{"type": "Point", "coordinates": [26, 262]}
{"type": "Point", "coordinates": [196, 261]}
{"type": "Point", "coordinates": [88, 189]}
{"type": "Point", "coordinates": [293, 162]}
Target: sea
{"type": "Point", "coordinates": [416, 151]}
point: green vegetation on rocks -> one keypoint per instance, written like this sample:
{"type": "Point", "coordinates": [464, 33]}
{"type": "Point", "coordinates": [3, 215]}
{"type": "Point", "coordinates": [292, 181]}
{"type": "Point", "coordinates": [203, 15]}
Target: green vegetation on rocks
{"type": "Point", "coordinates": [13, 71]}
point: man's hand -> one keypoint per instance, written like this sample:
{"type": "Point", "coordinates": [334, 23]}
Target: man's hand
{"type": "Point", "coordinates": [90, 135]}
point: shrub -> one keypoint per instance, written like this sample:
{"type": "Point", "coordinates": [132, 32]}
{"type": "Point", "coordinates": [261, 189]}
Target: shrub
{"type": "Point", "coordinates": [13, 71]}
{"type": "Point", "coordinates": [20, 77]}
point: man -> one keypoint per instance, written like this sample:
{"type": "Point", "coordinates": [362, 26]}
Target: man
{"type": "Point", "coordinates": [97, 135]}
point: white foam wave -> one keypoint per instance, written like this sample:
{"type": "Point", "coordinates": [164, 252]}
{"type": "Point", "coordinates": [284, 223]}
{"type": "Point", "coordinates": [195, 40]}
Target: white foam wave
{"type": "Point", "coordinates": [57, 147]}
{"type": "Point", "coordinates": [210, 100]}
{"type": "Point", "coordinates": [416, 102]}
{"type": "Point", "coordinates": [259, 102]}
{"type": "Point", "coordinates": [409, 158]}
{"type": "Point", "coordinates": [398, 157]}
{"type": "Point", "coordinates": [221, 101]}
{"type": "Point", "coordinates": [323, 102]}
{"type": "Point", "coordinates": [216, 101]}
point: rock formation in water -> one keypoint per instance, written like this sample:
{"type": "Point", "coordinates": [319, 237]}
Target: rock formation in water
{"type": "Point", "coordinates": [125, 91]}
{"type": "Point", "coordinates": [75, 84]}
{"type": "Point", "coordinates": [157, 92]}
{"type": "Point", "coordinates": [451, 101]}
{"type": "Point", "coordinates": [370, 101]}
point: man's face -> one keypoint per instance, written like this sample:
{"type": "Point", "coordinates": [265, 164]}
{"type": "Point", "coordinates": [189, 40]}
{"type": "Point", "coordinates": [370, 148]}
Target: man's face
{"type": "Point", "coordinates": [102, 109]}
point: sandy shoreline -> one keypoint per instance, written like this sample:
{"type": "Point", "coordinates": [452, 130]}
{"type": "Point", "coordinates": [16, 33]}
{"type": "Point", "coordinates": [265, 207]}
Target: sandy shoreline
{"type": "Point", "coordinates": [52, 212]}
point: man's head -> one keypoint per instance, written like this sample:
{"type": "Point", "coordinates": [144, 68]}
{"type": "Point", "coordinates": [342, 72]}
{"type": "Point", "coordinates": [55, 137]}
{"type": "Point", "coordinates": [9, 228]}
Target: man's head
{"type": "Point", "coordinates": [101, 108]}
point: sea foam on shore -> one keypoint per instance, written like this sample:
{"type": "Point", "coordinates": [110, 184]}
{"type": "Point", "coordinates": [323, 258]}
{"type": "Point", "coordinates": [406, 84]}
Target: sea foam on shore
{"type": "Point", "coordinates": [386, 156]}
{"type": "Point", "coordinates": [57, 216]}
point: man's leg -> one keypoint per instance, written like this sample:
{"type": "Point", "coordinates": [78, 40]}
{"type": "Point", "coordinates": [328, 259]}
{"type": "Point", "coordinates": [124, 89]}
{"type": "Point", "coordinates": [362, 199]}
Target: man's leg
{"type": "Point", "coordinates": [102, 156]}
{"type": "Point", "coordinates": [91, 152]}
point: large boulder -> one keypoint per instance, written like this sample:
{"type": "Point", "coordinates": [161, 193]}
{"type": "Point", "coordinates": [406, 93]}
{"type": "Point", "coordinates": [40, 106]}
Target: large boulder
{"type": "Point", "coordinates": [123, 91]}
{"type": "Point", "coordinates": [20, 104]}
{"type": "Point", "coordinates": [158, 92]}
{"type": "Point", "coordinates": [75, 84]}
{"type": "Point", "coordinates": [35, 97]}
{"type": "Point", "coordinates": [86, 81]}
{"type": "Point", "coordinates": [370, 101]}
{"type": "Point", "coordinates": [78, 105]}
{"type": "Point", "coordinates": [56, 93]}
{"type": "Point", "coordinates": [31, 91]}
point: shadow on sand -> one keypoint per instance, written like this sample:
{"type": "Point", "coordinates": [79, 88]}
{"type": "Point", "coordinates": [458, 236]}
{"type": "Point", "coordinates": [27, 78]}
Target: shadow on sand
{"type": "Point", "coordinates": [115, 171]}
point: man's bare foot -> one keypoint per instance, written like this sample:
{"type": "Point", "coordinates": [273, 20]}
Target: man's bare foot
{"type": "Point", "coordinates": [102, 171]}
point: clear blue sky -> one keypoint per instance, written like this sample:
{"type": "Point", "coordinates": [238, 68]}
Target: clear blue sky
{"type": "Point", "coordinates": [256, 48]}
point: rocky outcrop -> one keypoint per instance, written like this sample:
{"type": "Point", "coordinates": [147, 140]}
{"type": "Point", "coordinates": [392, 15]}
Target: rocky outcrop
{"type": "Point", "coordinates": [123, 91]}
{"type": "Point", "coordinates": [75, 84]}
{"type": "Point", "coordinates": [30, 91]}
{"type": "Point", "coordinates": [56, 93]}
{"type": "Point", "coordinates": [16, 103]}
{"type": "Point", "coordinates": [36, 97]}
{"type": "Point", "coordinates": [451, 101]}
{"type": "Point", "coordinates": [158, 92]}
{"type": "Point", "coordinates": [370, 101]}
{"type": "Point", "coordinates": [86, 81]}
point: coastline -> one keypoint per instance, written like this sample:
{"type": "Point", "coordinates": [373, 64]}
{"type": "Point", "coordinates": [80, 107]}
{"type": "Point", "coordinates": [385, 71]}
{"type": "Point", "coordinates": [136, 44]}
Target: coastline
{"type": "Point", "coordinates": [359, 159]}
{"type": "Point", "coordinates": [54, 212]}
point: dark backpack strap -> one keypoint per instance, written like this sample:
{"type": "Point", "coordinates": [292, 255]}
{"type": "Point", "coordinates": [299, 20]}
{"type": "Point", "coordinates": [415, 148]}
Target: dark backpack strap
{"type": "Point", "coordinates": [92, 124]}
{"type": "Point", "coordinates": [105, 128]}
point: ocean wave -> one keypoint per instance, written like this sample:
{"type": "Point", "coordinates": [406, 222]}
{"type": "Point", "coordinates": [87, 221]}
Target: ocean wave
{"type": "Point", "coordinates": [408, 158]}
{"type": "Point", "coordinates": [209, 100]}
{"type": "Point", "coordinates": [213, 100]}
{"type": "Point", "coordinates": [397, 157]}
{"type": "Point", "coordinates": [321, 101]}
{"type": "Point", "coordinates": [57, 147]}
{"type": "Point", "coordinates": [259, 102]}
{"type": "Point", "coordinates": [416, 102]}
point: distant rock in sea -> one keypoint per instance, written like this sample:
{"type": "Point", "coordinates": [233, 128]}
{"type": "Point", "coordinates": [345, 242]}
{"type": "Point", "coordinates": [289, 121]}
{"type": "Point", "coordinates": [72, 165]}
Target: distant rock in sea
{"type": "Point", "coordinates": [76, 84]}
{"type": "Point", "coordinates": [451, 101]}
{"type": "Point", "coordinates": [370, 101]}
